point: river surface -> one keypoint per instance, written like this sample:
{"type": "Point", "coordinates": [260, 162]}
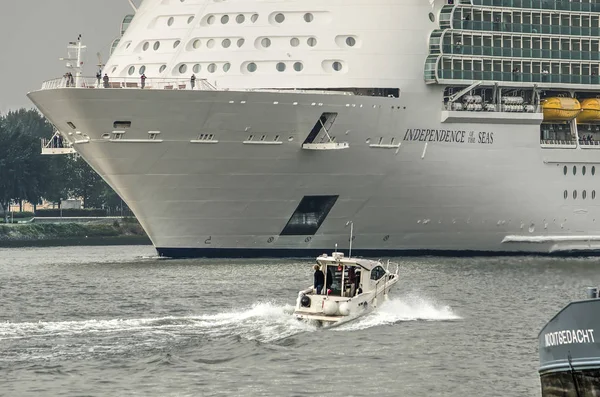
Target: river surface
{"type": "Point", "coordinates": [118, 321]}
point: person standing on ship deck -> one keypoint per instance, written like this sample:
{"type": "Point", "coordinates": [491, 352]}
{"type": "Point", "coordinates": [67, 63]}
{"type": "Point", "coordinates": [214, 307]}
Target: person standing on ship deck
{"type": "Point", "coordinates": [193, 81]}
{"type": "Point", "coordinates": [319, 279]}
{"type": "Point", "coordinates": [105, 79]}
{"type": "Point", "coordinates": [143, 78]}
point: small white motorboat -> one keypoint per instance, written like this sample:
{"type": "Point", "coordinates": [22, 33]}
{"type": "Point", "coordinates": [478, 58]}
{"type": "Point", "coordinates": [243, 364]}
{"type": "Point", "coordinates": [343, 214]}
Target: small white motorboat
{"type": "Point", "coordinates": [353, 287]}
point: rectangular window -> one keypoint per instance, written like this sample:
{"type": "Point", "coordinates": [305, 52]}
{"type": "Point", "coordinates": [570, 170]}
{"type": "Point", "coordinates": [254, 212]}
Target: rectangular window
{"type": "Point", "coordinates": [122, 124]}
{"type": "Point", "coordinates": [309, 215]}
{"type": "Point", "coordinates": [71, 125]}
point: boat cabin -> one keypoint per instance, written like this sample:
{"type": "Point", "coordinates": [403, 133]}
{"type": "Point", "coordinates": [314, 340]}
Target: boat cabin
{"type": "Point", "coordinates": [346, 277]}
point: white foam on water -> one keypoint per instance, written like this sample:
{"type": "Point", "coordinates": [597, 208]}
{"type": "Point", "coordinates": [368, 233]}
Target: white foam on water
{"type": "Point", "coordinates": [409, 308]}
{"type": "Point", "coordinates": [263, 321]}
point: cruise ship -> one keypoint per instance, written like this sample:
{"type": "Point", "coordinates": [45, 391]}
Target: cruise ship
{"type": "Point", "coordinates": [456, 127]}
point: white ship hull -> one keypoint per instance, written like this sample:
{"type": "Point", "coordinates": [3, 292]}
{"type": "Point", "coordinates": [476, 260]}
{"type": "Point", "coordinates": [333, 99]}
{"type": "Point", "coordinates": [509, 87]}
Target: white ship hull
{"type": "Point", "coordinates": [497, 193]}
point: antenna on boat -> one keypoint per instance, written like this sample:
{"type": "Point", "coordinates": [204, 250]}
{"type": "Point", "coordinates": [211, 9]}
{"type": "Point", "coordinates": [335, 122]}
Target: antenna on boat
{"type": "Point", "coordinates": [351, 232]}
{"type": "Point", "coordinates": [77, 58]}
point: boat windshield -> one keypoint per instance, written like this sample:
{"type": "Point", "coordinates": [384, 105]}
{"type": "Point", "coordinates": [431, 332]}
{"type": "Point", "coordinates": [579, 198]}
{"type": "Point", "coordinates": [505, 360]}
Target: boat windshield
{"type": "Point", "coordinates": [342, 280]}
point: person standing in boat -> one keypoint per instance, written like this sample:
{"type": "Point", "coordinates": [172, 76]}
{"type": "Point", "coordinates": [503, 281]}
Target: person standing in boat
{"type": "Point", "coordinates": [319, 279]}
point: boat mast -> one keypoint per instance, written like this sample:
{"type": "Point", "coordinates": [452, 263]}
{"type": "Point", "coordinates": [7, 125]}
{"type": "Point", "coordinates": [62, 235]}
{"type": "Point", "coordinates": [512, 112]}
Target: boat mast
{"type": "Point", "coordinates": [78, 67]}
{"type": "Point", "coordinates": [351, 232]}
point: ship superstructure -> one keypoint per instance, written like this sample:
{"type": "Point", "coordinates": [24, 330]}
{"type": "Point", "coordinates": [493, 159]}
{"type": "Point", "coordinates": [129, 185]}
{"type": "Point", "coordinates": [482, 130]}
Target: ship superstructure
{"type": "Point", "coordinates": [436, 126]}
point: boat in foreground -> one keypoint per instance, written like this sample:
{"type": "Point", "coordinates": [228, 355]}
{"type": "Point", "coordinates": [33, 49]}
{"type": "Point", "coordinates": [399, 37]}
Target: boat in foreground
{"type": "Point", "coordinates": [353, 287]}
{"type": "Point", "coordinates": [569, 353]}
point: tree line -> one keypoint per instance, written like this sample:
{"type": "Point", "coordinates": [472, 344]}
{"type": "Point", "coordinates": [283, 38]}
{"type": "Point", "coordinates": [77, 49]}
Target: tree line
{"type": "Point", "coordinates": [27, 175]}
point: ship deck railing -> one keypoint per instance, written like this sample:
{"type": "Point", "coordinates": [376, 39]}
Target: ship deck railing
{"type": "Point", "coordinates": [129, 83]}
{"type": "Point", "coordinates": [171, 84]}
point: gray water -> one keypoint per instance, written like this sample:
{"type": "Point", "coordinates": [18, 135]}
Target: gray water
{"type": "Point", "coordinates": [117, 321]}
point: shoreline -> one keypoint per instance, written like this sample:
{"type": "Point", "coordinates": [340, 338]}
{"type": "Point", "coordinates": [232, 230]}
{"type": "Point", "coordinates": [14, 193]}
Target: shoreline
{"type": "Point", "coordinates": [75, 241]}
{"type": "Point", "coordinates": [72, 234]}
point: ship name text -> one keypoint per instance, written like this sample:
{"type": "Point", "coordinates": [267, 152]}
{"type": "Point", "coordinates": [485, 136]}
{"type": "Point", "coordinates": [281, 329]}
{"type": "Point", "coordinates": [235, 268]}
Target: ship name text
{"type": "Point", "coordinates": [568, 336]}
{"type": "Point", "coordinates": [450, 136]}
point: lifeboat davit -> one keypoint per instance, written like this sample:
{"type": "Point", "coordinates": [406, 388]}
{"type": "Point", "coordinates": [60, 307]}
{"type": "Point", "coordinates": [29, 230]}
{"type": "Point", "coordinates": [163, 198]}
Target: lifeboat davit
{"type": "Point", "coordinates": [560, 109]}
{"type": "Point", "coordinates": [590, 112]}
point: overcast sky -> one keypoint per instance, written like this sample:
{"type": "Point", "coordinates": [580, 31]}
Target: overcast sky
{"type": "Point", "coordinates": [35, 33]}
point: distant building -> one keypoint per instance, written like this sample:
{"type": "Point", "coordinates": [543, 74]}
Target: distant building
{"type": "Point", "coordinates": [71, 204]}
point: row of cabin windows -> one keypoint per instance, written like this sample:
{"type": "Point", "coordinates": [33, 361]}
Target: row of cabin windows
{"type": "Point", "coordinates": [466, 43]}
{"type": "Point", "coordinates": [512, 70]}
{"type": "Point", "coordinates": [224, 19]}
{"type": "Point", "coordinates": [512, 21]}
{"type": "Point", "coordinates": [583, 170]}
{"type": "Point", "coordinates": [559, 5]}
{"type": "Point", "coordinates": [575, 195]}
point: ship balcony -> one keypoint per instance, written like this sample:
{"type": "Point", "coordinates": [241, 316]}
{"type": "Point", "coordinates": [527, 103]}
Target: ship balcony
{"type": "Point", "coordinates": [56, 145]}
{"type": "Point", "coordinates": [128, 83]}
{"type": "Point", "coordinates": [557, 144]}
{"type": "Point", "coordinates": [589, 144]}
{"type": "Point", "coordinates": [541, 5]}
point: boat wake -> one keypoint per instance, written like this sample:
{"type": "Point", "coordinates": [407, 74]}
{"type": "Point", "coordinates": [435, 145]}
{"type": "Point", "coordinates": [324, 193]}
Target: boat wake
{"type": "Point", "coordinates": [409, 308]}
{"type": "Point", "coordinates": [264, 322]}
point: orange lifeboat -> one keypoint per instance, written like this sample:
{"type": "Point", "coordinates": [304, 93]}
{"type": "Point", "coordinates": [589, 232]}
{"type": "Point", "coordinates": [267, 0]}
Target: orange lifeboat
{"type": "Point", "coordinates": [560, 109]}
{"type": "Point", "coordinates": [590, 112]}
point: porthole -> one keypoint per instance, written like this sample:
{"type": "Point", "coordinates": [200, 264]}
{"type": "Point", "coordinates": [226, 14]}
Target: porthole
{"type": "Point", "coordinates": [196, 68]}
{"type": "Point", "coordinates": [210, 20]}
{"type": "Point", "coordinates": [114, 70]}
{"type": "Point", "coordinates": [431, 17]}
{"type": "Point", "coordinates": [196, 44]}
{"type": "Point", "coordinates": [226, 43]}
{"type": "Point", "coordinates": [240, 18]}
{"type": "Point", "coordinates": [131, 70]}
{"type": "Point", "coordinates": [254, 18]}
{"type": "Point", "coordinates": [162, 68]}
{"type": "Point", "coordinates": [593, 194]}
{"type": "Point", "coordinates": [210, 43]}
{"type": "Point", "coordinates": [280, 66]}
{"type": "Point", "coordinates": [156, 45]}
{"type": "Point", "coordinates": [337, 66]}
{"type": "Point", "coordinates": [565, 170]}
{"type": "Point", "coordinates": [298, 66]}
{"type": "Point", "coordinates": [142, 70]}
{"type": "Point", "coordinates": [240, 42]}
{"type": "Point", "coordinates": [176, 43]}
{"type": "Point", "coordinates": [211, 68]}
{"type": "Point", "coordinates": [583, 194]}
{"type": "Point", "coordinates": [251, 67]}
{"type": "Point", "coordinates": [170, 21]}
{"type": "Point", "coordinates": [128, 45]}
{"type": "Point", "coordinates": [311, 41]}
{"type": "Point", "coordinates": [308, 17]}
{"type": "Point", "coordinates": [279, 18]}
{"type": "Point", "coordinates": [224, 19]}
{"type": "Point", "coordinates": [593, 170]}
{"type": "Point", "coordinates": [190, 20]}
{"type": "Point", "coordinates": [566, 194]}
{"type": "Point", "coordinates": [350, 41]}
{"type": "Point", "coordinates": [226, 67]}
{"type": "Point", "coordinates": [182, 68]}
{"type": "Point", "coordinates": [294, 42]}
{"type": "Point", "coordinates": [146, 46]}
{"type": "Point", "coordinates": [583, 170]}
{"type": "Point", "coordinates": [265, 42]}
{"type": "Point", "coordinates": [574, 194]}
{"type": "Point", "coordinates": [574, 170]}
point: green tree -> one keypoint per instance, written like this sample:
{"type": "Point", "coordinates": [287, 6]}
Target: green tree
{"type": "Point", "coordinates": [26, 174]}
{"type": "Point", "coordinates": [22, 167]}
